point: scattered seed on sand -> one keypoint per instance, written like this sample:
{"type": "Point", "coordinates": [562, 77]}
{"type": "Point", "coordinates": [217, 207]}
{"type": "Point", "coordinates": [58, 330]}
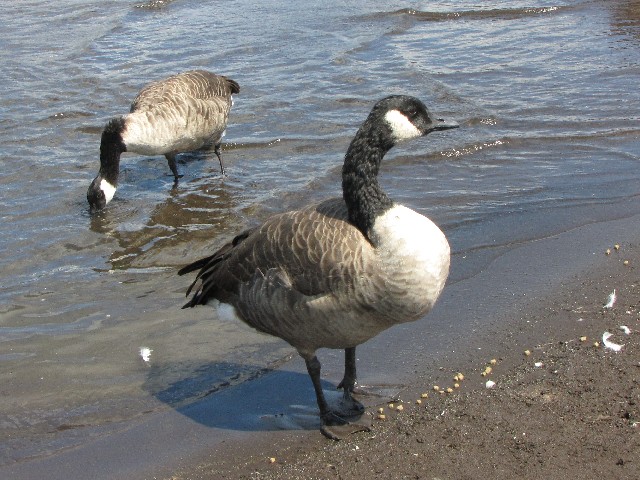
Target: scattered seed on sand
{"type": "Point", "coordinates": [616, 246]}
{"type": "Point", "coordinates": [607, 251]}
{"type": "Point", "coordinates": [382, 416]}
{"type": "Point", "coordinates": [436, 388]}
{"type": "Point", "coordinates": [583, 338]}
{"type": "Point", "coordinates": [424, 395]}
{"type": "Point", "coordinates": [418, 402]}
{"type": "Point", "coordinates": [391, 406]}
{"type": "Point", "coordinates": [493, 361]}
{"type": "Point", "coordinates": [456, 385]}
{"type": "Point", "coordinates": [272, 460]}
{"type": "Point", "coordinates": [399, 408]}
{"type": "Point", "coordinates": [449, 390]}
{"type": "Point", "coordinates": [527, 352]}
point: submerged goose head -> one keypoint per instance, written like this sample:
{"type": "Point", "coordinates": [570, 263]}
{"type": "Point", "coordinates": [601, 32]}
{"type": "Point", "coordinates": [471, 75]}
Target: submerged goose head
{"type": "Point", "coordinates": [103, 187]}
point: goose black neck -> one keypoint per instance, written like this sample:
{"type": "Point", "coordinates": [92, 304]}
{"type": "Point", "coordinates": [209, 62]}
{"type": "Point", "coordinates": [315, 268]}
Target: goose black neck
{"type": "Point", "coordinates": [361, 191]}
{"type": "Point", "coordinates": [111, 147]}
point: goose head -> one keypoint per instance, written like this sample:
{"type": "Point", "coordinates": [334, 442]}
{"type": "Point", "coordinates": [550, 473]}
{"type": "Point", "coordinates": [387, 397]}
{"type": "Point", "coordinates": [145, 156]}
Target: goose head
{"type": "Point", "coordinates": [100, 193]}
{"type": "Point", "coordinates": [406, 117]}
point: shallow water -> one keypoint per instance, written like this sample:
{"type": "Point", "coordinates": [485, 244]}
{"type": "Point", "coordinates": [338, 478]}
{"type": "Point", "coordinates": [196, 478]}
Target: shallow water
{"type": "Point", "coordinates": [546, 95]}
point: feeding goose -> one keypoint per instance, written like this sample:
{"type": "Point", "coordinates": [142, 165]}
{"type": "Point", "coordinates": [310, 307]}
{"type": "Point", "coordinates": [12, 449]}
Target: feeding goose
{"type": "Point", "coordinates": [181, 113]}
{"type": "Point", "coordinates": [337, 273]}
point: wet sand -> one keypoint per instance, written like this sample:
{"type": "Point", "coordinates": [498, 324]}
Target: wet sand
{"type": "Point", "coordinates": [563, 404]}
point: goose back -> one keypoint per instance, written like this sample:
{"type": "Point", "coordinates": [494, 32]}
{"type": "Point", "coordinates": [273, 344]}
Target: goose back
{"type": "Point", "coordinates": [181, 113]}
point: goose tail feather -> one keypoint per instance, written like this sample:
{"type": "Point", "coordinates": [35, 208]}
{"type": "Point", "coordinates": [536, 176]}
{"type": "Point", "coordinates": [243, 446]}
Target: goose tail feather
{"type": "Point", "coordinates": [197, 265]}
{"type": "Point", "coordinates": [203, 286]}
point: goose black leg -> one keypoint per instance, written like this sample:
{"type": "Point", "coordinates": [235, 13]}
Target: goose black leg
{"type": "Point", "coordinates": [334, 423]}
{"type": "Point", "coordinates": [171, 158]}
{"type": "Point", "coordinates": [349, 380]}
{"type": "Point", "coordinates": [216, 150]}
{"type": "Point", "coordinates": [348, 383]}
{"type": "Point", "coordinates": [326, 415]}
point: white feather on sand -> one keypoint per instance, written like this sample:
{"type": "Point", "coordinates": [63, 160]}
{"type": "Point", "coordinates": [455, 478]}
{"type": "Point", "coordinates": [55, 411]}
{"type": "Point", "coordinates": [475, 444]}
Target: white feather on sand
{"type": "Point", "coordinates": [613, 346]}
{"type": "Point", "coordinates": [612, 300]}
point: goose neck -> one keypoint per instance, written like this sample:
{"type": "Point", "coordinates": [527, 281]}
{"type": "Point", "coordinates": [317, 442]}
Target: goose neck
{"type": "Point", "coordinates": [362, 193]}
{"type": "Point", "coordinates": [111, 147]}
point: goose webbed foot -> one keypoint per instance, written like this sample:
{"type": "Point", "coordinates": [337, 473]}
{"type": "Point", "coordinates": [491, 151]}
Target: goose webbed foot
{"type": "Point", "coordinates": [349, 406]}
{"type": "Point", "coordinates": [344, 418]}
{"type": "Point", "coordinates": [336, 427]}
{"type": "Point", "coordinates": [351, 388]}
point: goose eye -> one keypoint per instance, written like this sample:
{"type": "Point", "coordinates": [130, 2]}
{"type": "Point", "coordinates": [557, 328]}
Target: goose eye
{"type": "Point", "coordinates": [412, 113]}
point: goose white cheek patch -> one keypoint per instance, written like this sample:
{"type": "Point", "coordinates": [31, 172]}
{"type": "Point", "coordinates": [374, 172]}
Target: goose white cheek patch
{"type": "Point", "coordinates": [108, 190]}
{"type": "Point", "coordinates": [401, 126]}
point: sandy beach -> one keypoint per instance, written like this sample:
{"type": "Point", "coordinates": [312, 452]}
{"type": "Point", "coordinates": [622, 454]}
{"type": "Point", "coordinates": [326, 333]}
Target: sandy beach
{"type": "Point", "coordinates": [563, 404]}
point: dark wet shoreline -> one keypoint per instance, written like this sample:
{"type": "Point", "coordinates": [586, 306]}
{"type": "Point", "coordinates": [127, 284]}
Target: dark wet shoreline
{"type": "Point", "coordinates": [247, 418]}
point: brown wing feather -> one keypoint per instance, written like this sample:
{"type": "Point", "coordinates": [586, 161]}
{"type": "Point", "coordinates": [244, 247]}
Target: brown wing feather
{"type": "Point", "coordinates": [195, 84]}
{"type": "Point", "coordinates": [315, 250]}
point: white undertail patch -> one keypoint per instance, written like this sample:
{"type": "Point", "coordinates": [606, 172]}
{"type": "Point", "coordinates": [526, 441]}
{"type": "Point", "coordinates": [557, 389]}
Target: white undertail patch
{"type": "Point", "coordinates": [401, 126]}
{"type": "Point", "coordinates": [108, 190]}
{"type": "Point", "coordinates": [226, 312]}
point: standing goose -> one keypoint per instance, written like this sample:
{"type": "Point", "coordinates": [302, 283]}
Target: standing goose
{"type": "Point", "coordinates": [181, 113]}
{"type": "Point", "coordinates": [337, 273]}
